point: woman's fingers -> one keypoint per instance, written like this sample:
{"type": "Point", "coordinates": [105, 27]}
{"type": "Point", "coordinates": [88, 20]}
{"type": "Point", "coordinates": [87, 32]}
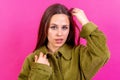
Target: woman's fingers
{"type": "Point", "coordinates": [45, 56]}
{"type": "Point", "coordinates": [41, 59]}
{"type": "Point", "coordinates": [36, 58]}
{"type": "Point", "coordinates": [47, 62]}
{"type": "Point", "coordinates": [80, 15]}
{"type": "Point", "coordinates": [41, 54]}
{"type": "Point", "coordinates": [74, 10]}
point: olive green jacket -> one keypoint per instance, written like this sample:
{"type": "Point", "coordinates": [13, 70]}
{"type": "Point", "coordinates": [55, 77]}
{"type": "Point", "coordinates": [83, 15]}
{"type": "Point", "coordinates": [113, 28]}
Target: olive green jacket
{"type": "Point", "coordinates": [70, 63]}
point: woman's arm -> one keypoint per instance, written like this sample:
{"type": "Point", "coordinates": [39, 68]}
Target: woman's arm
{"type": "Point", "coordinates": [95, 54]}
{"type": "Point", "coordinates": [34, 71]}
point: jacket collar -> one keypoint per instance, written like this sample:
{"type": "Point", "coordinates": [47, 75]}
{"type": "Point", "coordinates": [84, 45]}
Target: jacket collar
{"type": "Point", "coordinates": [65, 50]}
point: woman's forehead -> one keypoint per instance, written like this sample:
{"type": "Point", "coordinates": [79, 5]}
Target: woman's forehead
{"type": "Point", "coordinates": [59, 19]}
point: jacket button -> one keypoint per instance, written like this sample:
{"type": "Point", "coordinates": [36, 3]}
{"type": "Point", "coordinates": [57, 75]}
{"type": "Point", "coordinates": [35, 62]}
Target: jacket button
{"type": "Point", "coordinates": [58, 55]}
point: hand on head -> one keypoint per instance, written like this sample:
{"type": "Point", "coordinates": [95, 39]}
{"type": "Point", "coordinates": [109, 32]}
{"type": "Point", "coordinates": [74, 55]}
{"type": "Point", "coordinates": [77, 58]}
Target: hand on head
{"type": "Point", "coordinates": [80, 15]}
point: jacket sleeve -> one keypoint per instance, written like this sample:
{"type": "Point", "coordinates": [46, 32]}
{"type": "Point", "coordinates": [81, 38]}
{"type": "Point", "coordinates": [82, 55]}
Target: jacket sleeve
{"type": "Point", "coordinates": [34, 71]}
{"type": "Point", "coordinates": [95, 54]}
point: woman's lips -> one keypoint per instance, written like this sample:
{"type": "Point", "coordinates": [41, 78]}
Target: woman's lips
{"type": "Point", "coordinates": [58, 41]}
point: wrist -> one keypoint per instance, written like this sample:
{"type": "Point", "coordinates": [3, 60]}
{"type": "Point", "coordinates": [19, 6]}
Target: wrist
{"type": "Point", "coordinates": [84, 22]}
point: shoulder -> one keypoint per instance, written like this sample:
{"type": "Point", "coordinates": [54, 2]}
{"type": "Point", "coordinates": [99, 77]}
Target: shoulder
{"type": "Point", "coordinates": [79, 47]}
{"type": "Point", "coordinates": [29, 58]}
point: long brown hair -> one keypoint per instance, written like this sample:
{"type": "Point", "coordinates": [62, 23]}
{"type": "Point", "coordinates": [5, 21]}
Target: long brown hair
{"type": "Point", "coordinates": [44, 25]}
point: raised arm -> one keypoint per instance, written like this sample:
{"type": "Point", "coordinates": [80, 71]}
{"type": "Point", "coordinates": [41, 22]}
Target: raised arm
{"type": "Point", "coordinates": [95, 54]}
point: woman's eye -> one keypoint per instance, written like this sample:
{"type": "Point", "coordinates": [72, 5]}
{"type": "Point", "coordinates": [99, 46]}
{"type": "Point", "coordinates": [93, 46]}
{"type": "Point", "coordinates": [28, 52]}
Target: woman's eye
{"type": "Point", "coordinates": [64, 27]}
{"type": "Point", "coordinates": [53, 27]}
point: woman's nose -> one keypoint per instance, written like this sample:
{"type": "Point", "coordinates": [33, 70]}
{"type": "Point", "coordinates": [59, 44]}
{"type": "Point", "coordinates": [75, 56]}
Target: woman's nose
{"type": "Point", "coordinates": [59, 32]}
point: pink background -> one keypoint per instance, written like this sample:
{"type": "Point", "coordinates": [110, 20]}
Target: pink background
{"type": "Point", "coordinates": [19, 21]}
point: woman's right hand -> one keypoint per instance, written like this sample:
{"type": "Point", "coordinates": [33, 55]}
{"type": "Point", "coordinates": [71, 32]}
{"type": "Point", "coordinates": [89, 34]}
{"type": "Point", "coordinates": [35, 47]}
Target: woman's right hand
{"type": "Point", "coordinates": [42, 59]}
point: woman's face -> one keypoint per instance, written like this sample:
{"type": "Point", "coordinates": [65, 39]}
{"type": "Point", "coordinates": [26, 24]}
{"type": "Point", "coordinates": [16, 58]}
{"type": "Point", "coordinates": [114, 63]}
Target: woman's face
{"type": "Point", "coordinates": [58, 30]}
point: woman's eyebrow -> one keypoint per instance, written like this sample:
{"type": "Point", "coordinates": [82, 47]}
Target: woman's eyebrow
{"type": "Point", "coordinates": [56, 24]}
{"type": "Point", "coordinates": [65, 25]}
{"type": "Point", "coordinates": [53, 24]}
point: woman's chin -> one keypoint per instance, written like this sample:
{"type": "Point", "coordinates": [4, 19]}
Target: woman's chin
{"type": "Point", "coordinates": [58, 45]}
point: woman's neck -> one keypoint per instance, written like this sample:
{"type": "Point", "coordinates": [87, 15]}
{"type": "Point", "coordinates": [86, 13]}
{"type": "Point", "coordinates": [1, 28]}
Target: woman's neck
{"type": "Point", "coordinates": [52, 49]}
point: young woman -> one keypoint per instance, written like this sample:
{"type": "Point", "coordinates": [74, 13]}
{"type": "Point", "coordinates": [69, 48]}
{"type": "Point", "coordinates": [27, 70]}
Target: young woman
{"type": "Point", "coordinates": [56, 57]}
